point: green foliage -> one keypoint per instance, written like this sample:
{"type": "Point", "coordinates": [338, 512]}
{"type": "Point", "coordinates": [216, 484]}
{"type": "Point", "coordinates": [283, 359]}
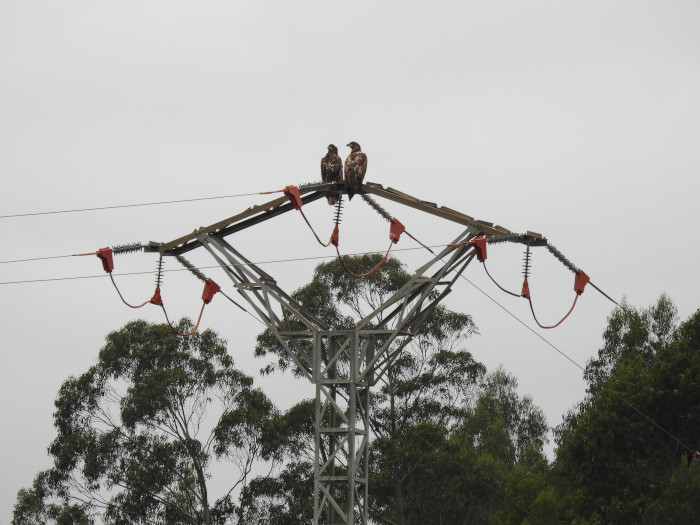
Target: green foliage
{"type": "Point", "coordinates": [619, 450]}
{"type": "Point", "coordinates": [445, 434]}
{"type": "Point", "coordinates": [138, 433]}
{"type": "Point", "coordinates": [286, 499]}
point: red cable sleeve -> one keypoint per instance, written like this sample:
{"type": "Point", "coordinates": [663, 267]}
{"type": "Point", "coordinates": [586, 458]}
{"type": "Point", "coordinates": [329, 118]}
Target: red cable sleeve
{"type": "Point", "coordinates": [560, 322]}
{"type": "Point", "coordinates": [423, 245]}
{"type": "Point", "coordinates": [175, 330]}
{"type": "Point", "coordinates": [122, 298]}
{"type": "Point", "coordinates": [372, 270]}
{"type": "Point", "coordinates": [602, 292]}
{"type": "Point", "coordinates": [234, 302]}
{"type": "Point", "coordinates": [494, 282]}
{"type": "Point", "coordinates": [313, 231]}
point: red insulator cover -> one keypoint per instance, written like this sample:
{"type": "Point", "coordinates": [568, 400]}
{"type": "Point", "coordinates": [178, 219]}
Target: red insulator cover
{"type": "Point", "coordinates": [480, 246]}
{"type": "Point", "coordinates": [526, 290]}
{"type": "Point", "coordinates": [156, 299]}
{"type": "Point", "coordinates": [580, 281]}
{"type": "Point", "coordinates": [105, 255]}
{"type": "Point", "coordinates": [335, 236]}
{"type": "Point", "coordinates": [395, 230]}
{"type": "Point", "coordinates": [292, 192]}
{"type": "Point", "coordinates": [210, 289]}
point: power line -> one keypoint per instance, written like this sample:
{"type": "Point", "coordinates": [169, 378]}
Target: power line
{"type": "Point", "coordinates": [118, 206]}
{"type": "Point", "coordinates": [524, 324]}
{"type": "Point", "coordinates": [296, 259]}
{"type": "Point", "coordinates": [36, 259]}
{"type": "Point", "coordinates": [613, 392]}
{"type": "Point", "coordinates": [273, 261]}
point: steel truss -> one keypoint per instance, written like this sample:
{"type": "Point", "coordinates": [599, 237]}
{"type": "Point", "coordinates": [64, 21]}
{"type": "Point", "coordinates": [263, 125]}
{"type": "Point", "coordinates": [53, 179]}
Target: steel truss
{"type": "Point", "coordinates": [342, 364]}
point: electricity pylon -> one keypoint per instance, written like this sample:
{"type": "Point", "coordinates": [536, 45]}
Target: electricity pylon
{"type": "Point", "coordinates": [342, 364]}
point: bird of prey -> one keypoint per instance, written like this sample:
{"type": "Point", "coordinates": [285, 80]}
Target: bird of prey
{"type": "Point", "coordinates": [355, 169]}
{"type": "Point", "coordinates": [331, 169]}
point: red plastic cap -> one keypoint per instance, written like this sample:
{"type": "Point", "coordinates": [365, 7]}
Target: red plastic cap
{"type": "Point", "coordinates": [105, 255]}
{"type": "Point", "coordinates": [156, 299]}
{"type": "Point", "coordinates": [479, 245]}
{"type": "Point", "coordinates": [580, 281]}
{"type": "Point", "coordinates": [526, 290]}
{"type": "Point", "coordinates": [335, 236]}
{"type": "Point", "coordinates": [292, 192]}
{"type": "Point", "coordinates": [210, 289]}
{"type": "Point", "coordinates": [395, 230]}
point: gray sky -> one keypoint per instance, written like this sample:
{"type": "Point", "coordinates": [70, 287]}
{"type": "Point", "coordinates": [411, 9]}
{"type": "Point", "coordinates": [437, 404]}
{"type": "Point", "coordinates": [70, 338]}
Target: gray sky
{"type": "Point", "coordinates": [578, 120]}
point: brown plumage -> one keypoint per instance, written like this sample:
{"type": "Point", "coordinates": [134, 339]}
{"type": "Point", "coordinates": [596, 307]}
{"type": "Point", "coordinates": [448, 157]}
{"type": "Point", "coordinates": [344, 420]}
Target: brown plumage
{"type": "Point", "coordinates": [331, 169]}
{"type": "Point", "coordinates": [355, 169]}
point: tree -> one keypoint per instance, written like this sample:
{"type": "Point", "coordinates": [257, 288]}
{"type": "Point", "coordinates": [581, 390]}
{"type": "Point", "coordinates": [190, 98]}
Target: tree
{"type": "Point", "coordinates": [139, 433]}
{"type": "Point", "coordinates": [463, 472]}
{"type": "Point", "coordinates": [421, 466]}
{"type": "Point", "coordinates": [621, 455]}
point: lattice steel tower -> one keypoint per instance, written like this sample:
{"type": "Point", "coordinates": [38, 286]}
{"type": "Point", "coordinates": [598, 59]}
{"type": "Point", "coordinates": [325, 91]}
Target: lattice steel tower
{"type": "Point", "coordinates": [342, 364]}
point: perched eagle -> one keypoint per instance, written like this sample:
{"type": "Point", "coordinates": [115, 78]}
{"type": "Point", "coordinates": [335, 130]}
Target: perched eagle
{"type": "Point", "coordinates": [355, 169]}
{"type": "Point", "coordinates": [331, 169]}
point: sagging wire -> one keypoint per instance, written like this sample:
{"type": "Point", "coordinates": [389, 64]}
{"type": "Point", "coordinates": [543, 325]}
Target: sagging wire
{"type": "Point", "coordinates": [577, 365]}
{"type": "Point", "coordinates": [292, 193]}
{"type": "Point", "coordinates": [210, 287]}
{"type": "Point", "coordinates": [501, 287]}
{"type": "Point", "coordinates": [359, 275]}
{"type": "Point", "coordinates": [580, 281]}
{"type": "Point", "coordinates": [272, 261]}
{"type": "Point", "coordinates": [105, 256]}
{"type": "Point", "coordinates": [396, 228]}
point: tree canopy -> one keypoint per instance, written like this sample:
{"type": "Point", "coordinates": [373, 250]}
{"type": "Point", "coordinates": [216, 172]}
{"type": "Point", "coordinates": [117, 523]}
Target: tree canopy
{"type": "Point", "coordinates": [139, 433]}
{"type": "Point", "coordinates": [622, 452]}
{"type": "Point", "coordinates": [441, 425]}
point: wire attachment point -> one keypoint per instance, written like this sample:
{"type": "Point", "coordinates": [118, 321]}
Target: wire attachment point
{"type": "Point", "coordinates": [156, 299]}
{"type": "Point", "coordinates": [395, 230]}
{"type": "Point", "coordinates": [105, 255]}
{"type": "Point", "coordinates": [526, 290]}
{"type": "Point", "coordinates": [580, 281]}
{"type": "Point", "coordinates": [292, 193]}
{"type": "Point", "coordinates": [210, 289]}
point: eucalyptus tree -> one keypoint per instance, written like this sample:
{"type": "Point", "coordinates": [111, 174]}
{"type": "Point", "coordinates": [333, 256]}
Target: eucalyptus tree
{"type": "Point", "coordinates": [424, 449]}
{"type": "Point", "coordinates": [140, 433]}
{"type": "Point", "coordinates": [623, 453]}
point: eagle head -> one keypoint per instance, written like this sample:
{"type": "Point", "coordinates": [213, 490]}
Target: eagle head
{"type": "Point", "coordinates": [332, 149]}
{"type": "Point", "coordinates": [354, 146]}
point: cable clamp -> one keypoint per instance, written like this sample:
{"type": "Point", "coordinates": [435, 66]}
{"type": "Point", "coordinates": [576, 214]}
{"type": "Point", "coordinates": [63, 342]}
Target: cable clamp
{"type": "Point", "coordinates": [526, 290]}
{"type": "Point", "coordinates": [210, 289]}
{"type": "Point", "coordinates": [105, 255]}
{"type": "Point", "coordinates": [335, 236]}
{"type": "Point", "coordinates": [395, 230]}
{"type": "Point", "coordinates": [156, 299]}
{"type": "Point", "coordinates": [292, 193]}
{"type": "Point", "coordinates": [580, 281]}
{"type": "Point", "coordinates": [479, 244]}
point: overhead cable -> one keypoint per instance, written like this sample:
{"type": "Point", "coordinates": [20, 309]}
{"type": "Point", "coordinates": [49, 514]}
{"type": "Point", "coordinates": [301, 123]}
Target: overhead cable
{"type": "Point", "coordinates": [118, 206]}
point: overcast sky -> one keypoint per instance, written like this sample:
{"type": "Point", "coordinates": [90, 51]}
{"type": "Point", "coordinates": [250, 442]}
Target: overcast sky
{"type": "Point", "coordinates": [578, 120]}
